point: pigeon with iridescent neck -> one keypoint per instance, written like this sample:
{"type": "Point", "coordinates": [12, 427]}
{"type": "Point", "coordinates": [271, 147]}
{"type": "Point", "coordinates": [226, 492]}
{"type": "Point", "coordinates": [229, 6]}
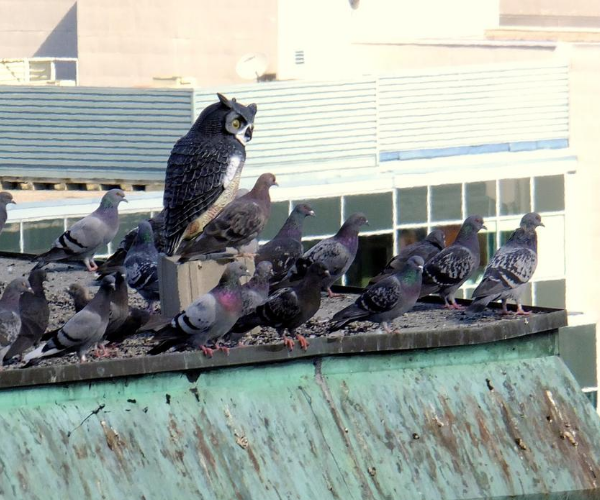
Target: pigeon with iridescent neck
{"type": "Point", "coordinates": [83, 239]}
{"type": "Point", "coordinates": [141, 265]}
{"type": "Point", "coordinates": [445, 273]}
{"type": "Point", "coordinates": [387, 299]}
{"type": "Point", "coordinates": [510, 269]}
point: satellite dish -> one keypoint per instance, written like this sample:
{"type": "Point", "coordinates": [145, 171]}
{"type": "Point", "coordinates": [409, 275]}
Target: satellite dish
{"type": "Point", "coordinates": [252, 66]}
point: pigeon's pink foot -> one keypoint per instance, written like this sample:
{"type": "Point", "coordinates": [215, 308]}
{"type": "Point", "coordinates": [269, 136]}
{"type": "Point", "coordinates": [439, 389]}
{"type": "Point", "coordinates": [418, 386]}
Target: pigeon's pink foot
{"type": "Point", "coordinates": [302, 341]}
{"type": "Point", "coordinates": [91, 265]}
{"type": "Point", "coordinates": [289, 343]}
{"type": "Point", "coordinates": [208, 352]}
{"type": "Point", "coordinates": [102, 352]}
{"type": "Point", "coordinates": [522, 312]}
{"type": "Point", "coordinates": [224, 349]}
{"type": "Point", "coordinates": [506, 312]}
{"type": "Point", "coordinates": [332, 295]}
{"type": "Point", "coordinates": [456, 307]}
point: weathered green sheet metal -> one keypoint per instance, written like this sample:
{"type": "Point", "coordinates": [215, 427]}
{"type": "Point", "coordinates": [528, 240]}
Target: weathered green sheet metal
{"type": "Point", "coordinates": [497, 420]}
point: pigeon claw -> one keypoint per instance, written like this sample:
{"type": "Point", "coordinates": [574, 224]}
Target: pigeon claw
{"type": "Point", "coordinates": [302, 341]}
{"type": "Point", "coordinates": [289, 343]}
{"type": "Point", "coordinates": [208, 352]}
{"type": "Point", "coordinates": [224, 349]}
{"type": "Point", "coordinates": [522, 312]}
{"type": "Point", "coordinates": [332, 295]}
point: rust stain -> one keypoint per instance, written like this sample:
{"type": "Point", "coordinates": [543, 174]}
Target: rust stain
{"type": "Point", "coordinates": [203, 447]}
{"type": "Point", "coordinates": [253, 459]}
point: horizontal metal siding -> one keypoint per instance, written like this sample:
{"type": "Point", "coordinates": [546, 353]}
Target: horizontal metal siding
{"type": "Point", "coordinates": [90, 133]}
{"type": "Point", "coordinates": [307, 122]}
{"type": "Point", "coordinates": [473, 106]}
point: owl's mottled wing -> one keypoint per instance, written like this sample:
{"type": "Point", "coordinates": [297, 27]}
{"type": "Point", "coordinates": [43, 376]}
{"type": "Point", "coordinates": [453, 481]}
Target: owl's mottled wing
{"type": "Point", "coordinates": [508, 269]}
{"type": "Point", "coordinates": [195, 178]}
{"type": "Point", "coordinates": [448, 268]}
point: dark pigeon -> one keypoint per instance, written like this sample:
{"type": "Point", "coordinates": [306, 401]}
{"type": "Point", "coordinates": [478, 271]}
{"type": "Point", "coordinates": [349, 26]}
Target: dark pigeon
{"type": "Point", "coordinates": [237, 224]}
{"type": "Point", "coordinates": [290, 307]}
{"type": "Point", "coordinates": [387, 299]}
{"type": "Point", "coordinates": [86, 236]}
{"type": "Point", "coordinates": [433, 244]}
{"type": "Point", "coordinates": [35, 315]}
{"type": "Point", "coordinates": [286, 247]}
{"type": "Point", "coordinates": [510, 269]}
{"type": "Point", "coordinates": [119, 305]}
{"type": "Point", "coordinates": [5, 199]}
{"type": "Point", "coordinates": [136, 319]}
{"type": "Point", "coordinates": [448, 270]}
{"type": "Point", "coordinates": [116, 261]}
{"type": "Point", "coordinates": [141, 265]}
{"type": "Point", "coordinates": [209, 317]}
{"type": "Point", "coordinates": [10, 319]}
{"type": "Point", "coordinates": [81, 296]}
{"type": "Point", "coordinates": [337, 253]}
{"type": "Point", "coordinates": [83, 330]}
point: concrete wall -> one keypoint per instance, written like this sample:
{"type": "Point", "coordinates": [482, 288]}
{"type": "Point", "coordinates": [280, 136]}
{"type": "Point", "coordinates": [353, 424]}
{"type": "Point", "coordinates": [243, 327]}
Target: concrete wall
{"type": "Point", "coordinates": [128, 42]}
{"type": "Point", "coordinates": [41, 28]}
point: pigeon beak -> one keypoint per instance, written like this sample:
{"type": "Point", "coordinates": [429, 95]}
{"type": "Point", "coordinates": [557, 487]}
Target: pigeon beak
{"type": "Point", "coordinates": [483, 226]}
{"type": "Point", "coordinates": [311, 213]}
{"type": "Point", "coordinates": [326, 272]}
{"type": "Point", "coordinates": [367, 223]}
{"type": "Point", "coordinates": [420, 267]}
{"type": "Point", "coordinates": [29, 289]}
{"type": "Point", "coordinates": [541, 224]}
{"type": "Point", "coordinates": [125, 200]}
{"type": "Point", "coordinates": [13, 202]}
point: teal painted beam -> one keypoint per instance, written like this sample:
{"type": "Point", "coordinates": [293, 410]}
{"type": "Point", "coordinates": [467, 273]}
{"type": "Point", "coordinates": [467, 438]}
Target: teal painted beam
{"type": "Point", "coordinates": [497, 420]}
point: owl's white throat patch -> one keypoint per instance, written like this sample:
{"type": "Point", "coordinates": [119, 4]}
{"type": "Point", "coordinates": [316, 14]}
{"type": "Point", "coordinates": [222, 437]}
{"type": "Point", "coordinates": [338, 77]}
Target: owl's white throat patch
{"type": "Point", "coordinates": [232, 168]}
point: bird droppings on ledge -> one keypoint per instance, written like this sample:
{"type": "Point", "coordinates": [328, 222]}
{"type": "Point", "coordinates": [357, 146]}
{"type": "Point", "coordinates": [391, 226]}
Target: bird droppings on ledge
{"type": "Point", "coordinates": [424, 316]}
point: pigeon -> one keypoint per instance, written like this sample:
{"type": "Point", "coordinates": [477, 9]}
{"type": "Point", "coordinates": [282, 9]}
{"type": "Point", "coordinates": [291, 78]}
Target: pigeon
{"type": "Point", "coordinates": [82, 330]}
{"type": "Point", "coordinates": [448, 270]}
{"type": "Point", "coordinates": [116, 261]}
{"type": "Point", "coordinates": [238, 223]}
{"type": "Point", "coordinates": [10, 319]}
{"type": "Point", "coordinates": [286, 247]}
{"type": "Point", "coordinates": [510, 269]}
{"type": "Point", "coordinates": [204, 169]}
{"type": "Point", "coordinates": [141, 265]}
{"type": "Point", "coordinates": [209, 317]}
{"type": "Point", "coordinates": [80, 295]}
{"type": "Point", "coordinates": [135, 320]}
{"type": "Point", "coordinates": [389, 298]}
{"type": "Point", "coordinates": [87, 235]}
{"type": "Point", "coordinates": [433, 244]}
{"type": "Point", "coordinates": [119, 305]}
{"type": "Point", "coordinates": [290, 307]}
{"type": "Point", "coordinates": [337, 253]}
{"type": "Point", "coordinates": [35, 315]}
{"type": "Point", "coordinates": [5, 199]}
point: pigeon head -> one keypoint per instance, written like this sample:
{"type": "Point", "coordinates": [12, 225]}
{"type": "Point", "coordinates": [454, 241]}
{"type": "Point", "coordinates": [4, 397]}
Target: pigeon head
{"type": "Point", "coordinates": [108, 282]}
{"type": "Point", "coordinates": [6, 198]}
{"type": "Point", "coordinates": [19, 286]}
{"type": "Point", "coordinates": [531, 220]}
{"type": "Point", "coordinates": [233, 272]}
{"type": "Point", "coordinates": [437, 237]}
{"type": "Point", "coordinates": [264, 269]}
{"type": "Point", "coordinates": [227, 117]}
{"type": "Point", "coordinates": [472, 225]}
{"type": "Point", "coordinates": [304, 209]}
{"type": "Point", "coordinates": [265, 181]}
{"type": "Point", "coordinates": [357, 220]}
{"type": "Point", "coordinates": [416, 262]}
{"type": "Point", "coordinates": [37, 278]}
{"type": "Point", "coordinates": [319, 271]}
{"type": "Point", "coordinates": [112, 198]}
{"type": "Point", "coordinates": [145, 233]}
{"type": "Point", "coordinates": [75, 290]}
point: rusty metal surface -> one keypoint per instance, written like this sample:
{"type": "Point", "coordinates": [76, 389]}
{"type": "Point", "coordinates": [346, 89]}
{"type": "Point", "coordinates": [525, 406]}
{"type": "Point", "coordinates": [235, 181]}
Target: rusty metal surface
{"type": "Point", "coordinates": [408, 339]}
{"type": "Point", "coordinates": [495, 420]}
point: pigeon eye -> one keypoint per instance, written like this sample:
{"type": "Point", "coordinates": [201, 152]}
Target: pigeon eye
{"type": "Point", "coordinates": [236, 123]}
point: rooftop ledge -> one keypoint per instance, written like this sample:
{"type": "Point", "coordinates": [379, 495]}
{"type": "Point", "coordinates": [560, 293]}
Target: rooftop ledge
{"type": "Point", "coordinates": [471, 332]}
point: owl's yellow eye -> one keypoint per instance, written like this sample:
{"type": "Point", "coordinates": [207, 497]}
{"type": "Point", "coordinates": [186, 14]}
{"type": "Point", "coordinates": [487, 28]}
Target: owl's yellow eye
{"type": "Point", "coordinates": [236, 123]}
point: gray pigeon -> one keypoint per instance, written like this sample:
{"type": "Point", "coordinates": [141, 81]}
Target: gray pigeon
{"type": "Point", "coordinates": [119, 306]}
{"type": "Point", "coordinates": [290, 307]}
{"type": "Point", "coordinates": [204, 169]}
{"type": "Point", "coordinates": [286, 247]}
{"type": "Point", "coordinates": [237, 224]}
{"type": "Point", "coordinates": [337, 253]}
{"type": "Point", "coordinates": [510, 269]}
{"type": "Point", "coordinates": [5, 199]}
{"type": "Point", "coordinates": [116, 261]}
{"type": "Point", "coordinates": [209, 317]}
{"type": "Point", "coordinates": [35, 315]}
{"type": "Point", "coordinates": [433, 244]}
{"type": "Point", "coordinates": [86, 236]}
{"type": "Point", "coordinates": [448, 270]}
{"type": "Point", "coordinates": [387, 299]}
{"type": "Point", "coordinates": [82, 330]}
{"type": "Point", "coordinates": [81, 296]}
{"type": "Point", "coordinates": [141, 265]}
{"type": "Point", "coordinates": [10, 319]}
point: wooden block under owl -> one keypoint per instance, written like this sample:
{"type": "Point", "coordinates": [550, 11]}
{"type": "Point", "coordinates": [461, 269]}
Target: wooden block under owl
{"type": "Point", "coordinates": [182, 284]}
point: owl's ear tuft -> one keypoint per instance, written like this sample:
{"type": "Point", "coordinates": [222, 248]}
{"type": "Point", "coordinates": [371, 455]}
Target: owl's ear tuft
{"type": "Point", "coordinates": [225, 101]}
{"type": "Point", "coordinates": [252, 108]}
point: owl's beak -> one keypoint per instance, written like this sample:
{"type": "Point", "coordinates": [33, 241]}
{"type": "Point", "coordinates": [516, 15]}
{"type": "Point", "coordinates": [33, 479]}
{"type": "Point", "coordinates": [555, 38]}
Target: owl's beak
{"type": "Point", "coordinates": [248, 134]}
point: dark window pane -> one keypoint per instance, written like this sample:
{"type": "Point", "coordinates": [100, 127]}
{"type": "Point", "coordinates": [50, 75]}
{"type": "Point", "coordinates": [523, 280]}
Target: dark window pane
{"type": "Point", "coordinates": [549, 193]}
{"type": "Point", "coordinates": [408, 236]}
{"type": "Point", "coordinates": [445, 202]}
{"type": "Point", "coordinates": [550, 293]}
{"type": "Point", "coordinates": [279, 214]}
{"type": "Point", "coordinates": [481, 198]}
{"type": "Point", "coordinates": [327, 220]}
{"type": "Point", "coordinates": [412, 205]}
{"type": "Point", "coordinates": [377, 208]}
{"type": "Point", "coordinates": [373, 254]}
{"type": "Point", "coordinates": [514, 196]}
{"type": "Point", "coordinates": [10, 238]}
{"type": "Point", "coordinates": [38, 236]}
